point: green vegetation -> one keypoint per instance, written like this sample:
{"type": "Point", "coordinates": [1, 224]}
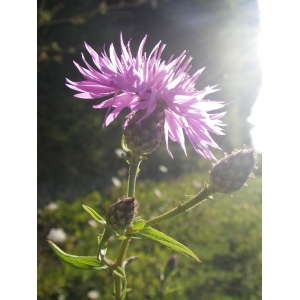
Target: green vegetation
{"type": "Point", "coordinates": [225, 233]}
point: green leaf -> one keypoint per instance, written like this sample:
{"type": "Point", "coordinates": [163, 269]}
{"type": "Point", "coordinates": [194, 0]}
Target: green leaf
{"type": "Point", "coordinates": [123, 296]}
{"type": "Point", "coordinates": [129, 260]}
{"type": "Point", "coordinates": [138, 224]}
{"type": "Point", "coordinates": [81, 262]}
{"type": "Point", "coordinates": [124, 145]}
{"type": "Point", "coordinates": [94, 215]}
{"type": "Point", "coordinates": [119, 272]}
{"type": "Point", "coordinates": [99, 237]}
{"type": "Point", "coordinates": [159, 237]}
{"type": "Point", "coordinates": [120, 237]}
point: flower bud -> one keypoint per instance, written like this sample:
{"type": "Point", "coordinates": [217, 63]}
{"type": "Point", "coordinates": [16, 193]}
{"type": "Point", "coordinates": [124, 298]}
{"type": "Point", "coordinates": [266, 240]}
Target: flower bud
{"type": "Point", "coordinates": [171, 265]}
{"type": "Point", "coordinates": [231, 172]}
{"type": "Point", "coordinates": [145, 137]}
{"type": "Point", "coordinates": [121, 213]}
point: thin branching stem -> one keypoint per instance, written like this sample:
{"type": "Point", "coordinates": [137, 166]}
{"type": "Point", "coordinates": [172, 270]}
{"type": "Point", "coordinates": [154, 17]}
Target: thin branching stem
{"type": "Point", "coordinates": [134, 163]}
{"type": "Point", "coordinates": [201, 196]}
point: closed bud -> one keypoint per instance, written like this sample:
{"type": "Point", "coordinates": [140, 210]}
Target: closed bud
{"type": "Point", "coordinates": [144, 137]}
{"type": "Point", "coordinates": [230, 173]}
{"type": "Point", "coordinates": [121, 213]}
{"type": "Point", "coordinates": [171, 265]}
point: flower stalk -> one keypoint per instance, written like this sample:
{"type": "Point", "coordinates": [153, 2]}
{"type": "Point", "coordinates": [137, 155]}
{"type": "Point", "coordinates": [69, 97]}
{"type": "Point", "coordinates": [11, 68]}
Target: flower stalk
{"type": "Point", "coordinates": [134, 162]}
{"type": "Point", "coordinates": [227, 175]}
{"type": "Point", "coordinates": [181, 208]}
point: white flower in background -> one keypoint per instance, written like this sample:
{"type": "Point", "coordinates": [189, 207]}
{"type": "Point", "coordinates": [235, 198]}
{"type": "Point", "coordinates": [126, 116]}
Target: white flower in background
{"type": "Point", "coordinates": [92, 223]}
{"type": "Point", "coordinates": [163, 169]}
{"type": "Point", "coordinates": [93, 294]}
{"type": "Point", "coordinates": [117, 182]}
{"type": "Point", "coordinates": [119, 152]}
{"type": "Point", "coordinates": [57, 235]}
{"type": "Point", "coordinates": [158, 193]}
{"type": "Point", "coordinates": [52, 206]}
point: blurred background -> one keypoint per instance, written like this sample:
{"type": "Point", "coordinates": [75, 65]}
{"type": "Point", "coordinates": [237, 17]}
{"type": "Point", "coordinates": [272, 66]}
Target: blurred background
{"type": "Point", "coordinates": [79, 162]}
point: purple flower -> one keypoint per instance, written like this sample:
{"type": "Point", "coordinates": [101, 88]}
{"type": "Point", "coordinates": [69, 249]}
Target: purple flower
{"type": "Point", "coordinates": [140, 83]}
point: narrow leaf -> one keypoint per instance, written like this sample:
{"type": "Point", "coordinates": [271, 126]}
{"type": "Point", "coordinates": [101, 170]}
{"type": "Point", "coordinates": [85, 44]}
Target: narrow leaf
{"type": "Point", "coordinates": [138, 225]}
{"type": "Point", "coordinates": [124, 145]}
{"type": "Point", "coordinates": [129, 260]}
{"type": "Point", "coordinates": [81, 262]}
{"type": "Point", "coordinates": [185, 198]}
{"type": "Point", "coordinates": [94, 215]}
{"type": "Point", "coordinates": [159, 237]}
{"type": "Point", "coordinates": [121, 237]}
{"type": "Point", "coordinates": [118, 271]}
{"type": "Point", "coordinates": [123, 296]}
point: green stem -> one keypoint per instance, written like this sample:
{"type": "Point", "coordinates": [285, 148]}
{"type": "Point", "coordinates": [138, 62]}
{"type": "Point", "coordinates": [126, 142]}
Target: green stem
{"type": "Point", "coordinates": [161, 290]}
{"type": "Point", "coordinates": [201, 196]}
{"type": "Point", "coordinates": [134, 163]}
{"type": "Point", "coordinates": [107, 233]}
{"type": "Point", "coordinates": [122, 251]}
{"type": "Point", "coordinates": [119, 262]}
{"type": "Point", "coordinates": [118, 287]}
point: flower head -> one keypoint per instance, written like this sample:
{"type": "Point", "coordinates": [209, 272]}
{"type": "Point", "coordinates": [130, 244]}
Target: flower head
{"type": "Point", "coordinates": [121, 213]}
{"type": "Point", "coordinates": [140, 83]}
{"type": "Point", "coordinates": [144, 137]}
{"type": "Point", "coordinates": [231, 172]}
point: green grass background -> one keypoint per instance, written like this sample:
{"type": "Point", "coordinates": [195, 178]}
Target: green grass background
{"type": "Point", "coordinates": [225, 233]}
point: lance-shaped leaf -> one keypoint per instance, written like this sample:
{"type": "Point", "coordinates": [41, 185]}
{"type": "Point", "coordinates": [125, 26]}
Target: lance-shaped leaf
{"type": "Point", "coordinates": [123, 296]}
{"type": "Point", "coordinates": [124, 145]}
{"type": "Point", "coordinates": [120, 237]}
{"type": "Point", "coordinates": [129, 260]}
{"type": "Point", "coordinates": [119, 272]}
{"type": "Point", "coordinates": [87, 262]}
{"type": "Point", "coordinates": [159, 237]}
{"type": "Point", "coordinates": [94, 215]}
{"type": "Point", "coordinates": [138, 224]}
{"type": "Point", "coordinates": [81, 262]}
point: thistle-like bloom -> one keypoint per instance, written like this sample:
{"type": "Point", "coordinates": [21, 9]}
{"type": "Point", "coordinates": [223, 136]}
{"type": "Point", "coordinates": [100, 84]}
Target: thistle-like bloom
{"type": "Point", "coordinates": [140, 83]}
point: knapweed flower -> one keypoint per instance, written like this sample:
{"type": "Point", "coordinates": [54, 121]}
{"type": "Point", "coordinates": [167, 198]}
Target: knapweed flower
{"type": "Point", "coordinates": [141, 83]}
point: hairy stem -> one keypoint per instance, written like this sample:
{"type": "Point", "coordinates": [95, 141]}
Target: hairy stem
{"type": "Point", "coordinates": [134, 163]}
{"type": "Point", "coordinates": [201, 196]}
